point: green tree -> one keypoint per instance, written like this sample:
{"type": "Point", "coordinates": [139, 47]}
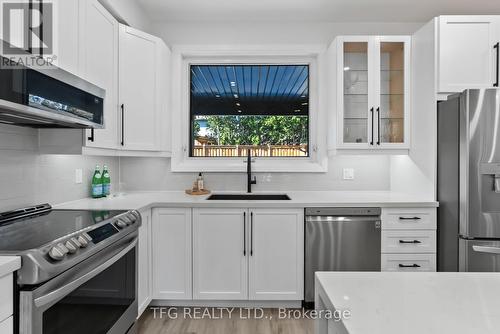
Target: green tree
{"type": "Point", "coordinates": [258, 130]}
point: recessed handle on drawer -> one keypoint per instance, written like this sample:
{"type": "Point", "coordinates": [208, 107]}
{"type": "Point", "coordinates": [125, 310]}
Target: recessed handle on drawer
{"type": "Point", "coordinates": [409, 265]}
{"type": "Point", "coordinates": [409, 218]}
{"type": "Point", "coordinates": [410, 241]}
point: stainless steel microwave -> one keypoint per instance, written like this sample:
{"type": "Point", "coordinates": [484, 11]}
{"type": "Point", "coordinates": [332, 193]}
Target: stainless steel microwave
{"type": "Point", "coordinates": [48, 98]}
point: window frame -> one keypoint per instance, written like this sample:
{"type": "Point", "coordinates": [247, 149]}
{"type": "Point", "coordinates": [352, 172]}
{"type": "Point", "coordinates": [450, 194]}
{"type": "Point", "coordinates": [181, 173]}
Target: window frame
{"type": "Point", "coordinates": [184, 57]}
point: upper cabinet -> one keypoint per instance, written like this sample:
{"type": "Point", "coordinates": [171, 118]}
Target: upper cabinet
{"type": "Point", "coordinates": [99, 65]}
{"type": "Point", "coordinates": [467, 52]}
{"type": "Point", "coordinates": [373, 85]}
{"type": "Point", "coordinates": [142, 90]}
{"type": "Point", "coordinates": [131, 66]}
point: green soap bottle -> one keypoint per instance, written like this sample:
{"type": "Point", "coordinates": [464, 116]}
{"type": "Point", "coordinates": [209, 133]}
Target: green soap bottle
{"type": "Point", "coordinates": [106, 182]}
{"type": "Point", "coordinates": [97, 183]}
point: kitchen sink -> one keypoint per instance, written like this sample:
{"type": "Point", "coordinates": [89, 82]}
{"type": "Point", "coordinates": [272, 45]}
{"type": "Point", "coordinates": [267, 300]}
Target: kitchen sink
{"type": "Point", "coordinates": [249, 197]}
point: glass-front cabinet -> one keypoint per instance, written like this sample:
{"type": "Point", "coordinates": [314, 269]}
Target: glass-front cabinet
{"type": "Point", "coordinates": [373, 101]}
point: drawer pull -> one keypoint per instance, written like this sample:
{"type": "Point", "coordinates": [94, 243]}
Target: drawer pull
{"type": "Point", "coordinates": [409, 218]}
{"type": "Point", "coordinates": [410, 241]}
{"type": "Point", "coordinates": [409, 265]}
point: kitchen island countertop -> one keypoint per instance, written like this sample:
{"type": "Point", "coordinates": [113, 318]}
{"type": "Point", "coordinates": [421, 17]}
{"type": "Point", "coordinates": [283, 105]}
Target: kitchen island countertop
{"type": "Point", "coordinates": [409, 303]}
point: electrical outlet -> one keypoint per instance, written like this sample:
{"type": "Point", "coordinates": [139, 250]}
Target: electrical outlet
{"type": "Point", "coordinates": [348, 174]}
{"type": "Point", "coordinates": [78, 176]}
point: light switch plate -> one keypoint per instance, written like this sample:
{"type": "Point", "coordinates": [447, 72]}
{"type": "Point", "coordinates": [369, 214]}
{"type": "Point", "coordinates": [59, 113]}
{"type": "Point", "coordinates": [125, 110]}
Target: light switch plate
{"type": "Point", "coordinates": [348, 174]}
{"type": "Point", "coordinates": [78, 176]}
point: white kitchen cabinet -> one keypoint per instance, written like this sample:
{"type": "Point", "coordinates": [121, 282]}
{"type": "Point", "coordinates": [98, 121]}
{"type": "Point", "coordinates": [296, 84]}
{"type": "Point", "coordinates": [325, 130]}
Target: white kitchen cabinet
{"type": "Point", "coordinates": [409, 239]}
{"type": "Point", "coordinates": [373, 92]}
{"type": "Point", "coordinates": [142, 90]}
{"type": "Point", "coordinates": [172, 253]}
{"type": "Point", "coordinates": [220, 250]}
{"type": "Point", "coordinates": [99, 65]}
{"type": "Point", "coordinates": [144, 266]}
{"type": "Point", "coordinates": [276, 262]}
{"type": "Point", "coordinates": [133, 68]}
{"type": "Point", "coordinates": [241, 254]}
{"type": "Point", "coordinates": [67, 49]}
{"type": "Point", "coordinates": [466, 52]}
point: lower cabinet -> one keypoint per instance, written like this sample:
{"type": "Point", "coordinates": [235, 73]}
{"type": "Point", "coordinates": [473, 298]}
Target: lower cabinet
{"type": "Point", "coordinates": [409, 239]}
{"type": "Point", "coordinates": [172, 253]}
{"type": "Point", "coordinates": [276, 258]}
{"type": "Point", "coordinates": [144, 265]}
{"type": "Point", "coordinates": [241, 254]}
{"type": "Point", "coordinates": [220, 253]}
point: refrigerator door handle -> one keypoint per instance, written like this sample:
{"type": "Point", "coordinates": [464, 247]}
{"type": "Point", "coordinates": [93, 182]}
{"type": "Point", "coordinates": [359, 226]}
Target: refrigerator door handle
{"type": "Point", "coordinates": [486, 249]}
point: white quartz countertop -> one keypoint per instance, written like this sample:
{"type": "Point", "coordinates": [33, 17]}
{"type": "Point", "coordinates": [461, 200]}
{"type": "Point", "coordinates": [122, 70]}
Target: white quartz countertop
{"type": "Point", "coordinates": [144, 200]}
{"type": "Point", "coordinates": [414, 303]}
{"type": "Point", "coordinates": [9, 264]}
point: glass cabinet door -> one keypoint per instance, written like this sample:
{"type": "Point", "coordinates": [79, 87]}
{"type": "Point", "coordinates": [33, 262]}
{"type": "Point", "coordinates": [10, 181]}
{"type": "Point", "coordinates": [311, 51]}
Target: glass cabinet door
{"type": "Point", "coordinates": [355, 92]}
{"type": "Point", "coordinates": [391, 112]}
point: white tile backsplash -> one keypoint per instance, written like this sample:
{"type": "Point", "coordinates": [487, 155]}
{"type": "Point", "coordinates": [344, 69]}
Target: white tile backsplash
{"type": "Point", "coordinates": [372, 173]}
{"type": "Point", "coordinates": [28, 178]}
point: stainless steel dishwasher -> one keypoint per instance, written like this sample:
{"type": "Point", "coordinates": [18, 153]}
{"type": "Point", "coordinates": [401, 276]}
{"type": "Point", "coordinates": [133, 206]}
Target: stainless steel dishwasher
{"type": "Point", "coordinates": [340, 239]}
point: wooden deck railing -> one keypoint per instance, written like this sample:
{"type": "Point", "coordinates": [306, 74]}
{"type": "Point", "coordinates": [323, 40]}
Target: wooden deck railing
{"type": "Point", "coordinates": [257, 151]}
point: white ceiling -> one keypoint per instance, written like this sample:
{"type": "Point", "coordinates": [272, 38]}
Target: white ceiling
{"type": "Point", "coordinates": [313, 10]}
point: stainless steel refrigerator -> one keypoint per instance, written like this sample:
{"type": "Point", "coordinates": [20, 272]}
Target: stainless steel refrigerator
{"type": "Point", "coordinates": [469, 182]}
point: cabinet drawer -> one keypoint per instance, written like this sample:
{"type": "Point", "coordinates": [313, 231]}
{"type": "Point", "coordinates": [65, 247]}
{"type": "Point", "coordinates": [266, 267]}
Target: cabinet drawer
{"type": "Point", "coordinates": [409, 219]}
{"type": "Point", "coordinates": [6, 295]}
{"type": "Point", "coordinates": [409, 262]}
{"type": "Point", "coordinates": [7, 326]}
{"type": "Point", "coordinates": [408, 241]}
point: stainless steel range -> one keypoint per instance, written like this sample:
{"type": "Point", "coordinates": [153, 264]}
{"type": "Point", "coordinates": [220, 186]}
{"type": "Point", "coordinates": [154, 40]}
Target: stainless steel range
{"type": "Point", "coordinates": [79, 269]}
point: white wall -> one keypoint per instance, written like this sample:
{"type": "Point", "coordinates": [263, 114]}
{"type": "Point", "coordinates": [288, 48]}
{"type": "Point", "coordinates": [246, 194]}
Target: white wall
{"type": "Point", "coordinates": [28, 178]}
{"type": "Point", "coordinates": [175, 33]}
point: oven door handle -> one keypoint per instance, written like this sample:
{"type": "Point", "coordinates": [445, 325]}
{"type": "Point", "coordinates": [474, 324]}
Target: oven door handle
{"type": "Point", "coordinates": [59, 293]}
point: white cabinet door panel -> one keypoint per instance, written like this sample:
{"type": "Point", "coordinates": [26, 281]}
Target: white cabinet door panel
{"type": "Point", "coordinates": [99, 48]}
{"type": "Point", "coordinates": [465, 52]}
{"type": "Point", "coordinates": [219, 265]}
{"type": "Point", "coordinates": [277, 253]}
{"type": "Point", "coordinates": [138, 90]}
{"type": "Point", "coordinates": [172, 247]}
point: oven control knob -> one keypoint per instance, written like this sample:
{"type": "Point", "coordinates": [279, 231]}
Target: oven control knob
{"type": "Point", "coordinates": [56, 254]}
{"type": "Point", "coordinates": [82, 241]}
{"type": "Point", "coordinates": [87, 236]}
{"type": "Point", "coordinates": [70, 246]}
{"type": "Point", "coordinates": [75, 242]}
{"type": "Point", "coordinates": [121, 224]}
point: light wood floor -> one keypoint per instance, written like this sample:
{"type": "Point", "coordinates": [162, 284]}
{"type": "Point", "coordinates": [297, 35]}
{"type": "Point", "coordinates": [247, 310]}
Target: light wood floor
{"type": "Point", "coordinates": [272, 324]}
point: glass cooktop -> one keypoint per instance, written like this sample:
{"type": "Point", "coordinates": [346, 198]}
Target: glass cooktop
{"type": "Point", "coordinates": [35, 231]}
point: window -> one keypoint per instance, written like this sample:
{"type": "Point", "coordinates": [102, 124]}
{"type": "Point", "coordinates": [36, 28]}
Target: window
{"type": "Point", "coordinates": [262, 108]}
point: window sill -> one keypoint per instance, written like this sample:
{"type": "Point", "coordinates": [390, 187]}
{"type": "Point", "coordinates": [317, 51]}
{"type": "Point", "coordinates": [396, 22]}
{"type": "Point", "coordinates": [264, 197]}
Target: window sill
{"type": "Point", "coordinates": [261, 165]}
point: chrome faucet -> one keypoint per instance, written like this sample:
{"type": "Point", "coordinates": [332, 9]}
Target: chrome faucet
{"type": "Point", "coordinates": [250, 181]}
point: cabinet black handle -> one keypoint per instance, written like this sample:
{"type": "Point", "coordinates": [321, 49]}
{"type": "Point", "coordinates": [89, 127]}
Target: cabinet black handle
{"type": "Point", "coordinates": [373, 120]}
{"type": "Point", "coordinates": [410, 241]}
{"type": "Point", "coordinates": [497, 46]}
{"type": "Point", "coordinates": [123, 124]}
{"type": "Point", "coordinates": [244, 234]}
{"type": "Point", "coordinates": [409, 218]}
{"type": "Point", "coordinates": [91, 137]}
{"type": "Point", "coordinates": [409, 265]}
{"type": "Point", "coordinates": [378, 124]}
{"type": "Point", "coordinates": [251, 233]}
